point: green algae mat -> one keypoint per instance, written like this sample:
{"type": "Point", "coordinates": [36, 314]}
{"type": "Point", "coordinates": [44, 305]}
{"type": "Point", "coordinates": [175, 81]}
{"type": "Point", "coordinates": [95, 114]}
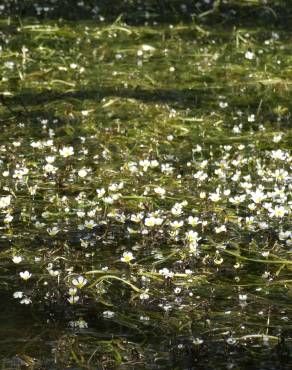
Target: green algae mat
{"type": "Point", "coordinates": [145, 185]}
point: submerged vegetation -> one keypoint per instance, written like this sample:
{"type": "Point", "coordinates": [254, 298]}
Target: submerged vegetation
{"type": "Point", "coordinates": [145, 173]}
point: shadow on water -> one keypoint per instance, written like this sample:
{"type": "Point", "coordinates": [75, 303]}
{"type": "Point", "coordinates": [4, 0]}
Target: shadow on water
{"type": "Point", "coordinates": [182, 98]}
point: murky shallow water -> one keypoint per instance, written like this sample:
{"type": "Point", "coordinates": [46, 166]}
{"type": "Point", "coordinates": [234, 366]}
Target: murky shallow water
{"type": "Point", "coordinates": [145, 176]}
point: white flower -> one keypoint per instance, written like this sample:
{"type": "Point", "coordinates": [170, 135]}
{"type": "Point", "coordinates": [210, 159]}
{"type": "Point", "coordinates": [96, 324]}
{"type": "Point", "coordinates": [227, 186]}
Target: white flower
{"type": "Point", "coordinates": [278, 212]}
{"type": "Point", "coordinates": [17, 295]}
{"type": "Point", "coordinates": [176, 224]}
{"type": "Point", "coordinates": [215, 197]}
{"type": "Point", "coordinates": [127, 257]}
{"type": "Point", "coordinates": [193, 221]}
{"type": "Point", "coordinates": [25, 301]}
{"type": "Point", "coordinates": [278, 154]}
{"type": "Point", "coordinates": [236, 129]}
{"type": "Point", "coordinates": [17, 259]}
{"type": "Point", "coordinates": [89, 224]}
{"type": "Point", "coordinates": [231, 341]}
{"type": "Point", "coordinates": [66, 151]}
{"type": "Point", "coordinates": [100, 192]}
{"type": "Point", "coordinates": [160, 191]}
{"type": "Point", "coordinates": [192, 237]}
{"type": "Point", "coordinates": [82, 173]}
{"type": "Point", "coordinates": [218, 260]}
{"type": "Point", "coordinates": [53, 231]}
{"type": "Point", "coordinates": [50, 159]}
{"type": "Point", "coordinates": [223, 104]}
{"type": "Point", "coordinates": [265, 253]}
{"type": "Point", "coordinates": [49, 168]}
{"type": "Point", "coordinates": [220, 229]}
{"type": "Point", "coordinates": [80, 282]}
{"type": "Point", "coordinates": [144, 295]}
{"type": "Point", "coordinates": [5, 201]}
{"type": "Point", "coordinates": [8, 218]}
{"type": "Point", "coordinates": [257, 196]}
{"type": "Point", "coordinates": [165, 272]}
{"type": "Point", "coordinates": [277, 138]}
{"type": "Point", "coordinates": [148, 48]}
{"type": "Point", "coordinates": [25, 275]}
{"type": "Point", "coordinates": [237, 199]}
{"type": "Point", "coordinates": [54, 272]}
{"type": "Point", "coordinates": [108, 314]}
{"type": "Point", "coordinates": [197, 341]}
{"type": "Point", "coordinates": [153, 221]}
{"type": "Point", "coordinates": [72, 291]}
{"type": "Point", "coordinates": [73, 299]}
{"type": "Point", "coordinates": [176, 210]}
{"type": "Point", "coordinates": [80, 324]}
{"type": "Point", "coordinates": [242, 297]}
{"type": "Point", "coordinates": [193, 248]}
{"type": "Point", "coordinates": [249, 55]}
{"type": "Point", "coordinates": [108, 200]}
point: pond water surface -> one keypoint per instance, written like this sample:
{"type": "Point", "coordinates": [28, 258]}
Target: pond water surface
{"type": "Point", "coordinates": [145, 185]}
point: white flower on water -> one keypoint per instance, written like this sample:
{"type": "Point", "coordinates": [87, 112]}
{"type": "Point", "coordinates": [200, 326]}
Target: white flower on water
{"type": "Point", "coordinates": [50, 159]}
{"type": "Point", "coordinates": [166, 273]}
{"type": "Point", "coordinates": [249, 55]}
{"type": "Point", "coordinates": [160, 191]}
{"type": "Point", "coordinates": [108, 314]}
{"type": "Point", "coordinates": [278, 212]}
{"type": "Point", "coordinates": [192, 237]}
{"type": "Point", "coordinates": [147, 48]}
{"type": "Point", "coordinates": [49, 168]}
{"type": "Point", "coordinates": [17, 295]}
{"type": "Point", "coordinates": [66, 151]}
{"type": "Point", "coordinates": [80, 324]}
{"type": "Point", "coordinates": [5, 201]}
{"type": "Point", "coordinates": [231, 341]}
{"type": "Point", "coordinates": [277, 138]}
{"type": "Point", "coordinates": [176, 224]}
{"type": "Point", "coordinates": [79, 282]}
{"type": "Point", "coordinates": [153, 221]}
{"type": "Point", "coordinates": [127, 257]}
{"type": "Point", "coordinates": [144, 295]}
{"type": "Point", "coordinates": [72, 291]}
{"type": "Point", "coordinates": [242, 297]}
{"type": "Point", "coordinates": [8, 218]}
{"type": "Point", "coordinates": [220, 229]}
{"type": "Point", "coordinates": [73, 299]}
{"type": "Point", "coordinates": [257, 196]}
{"type": "Point", "coordinates": [25, 301]}
{"type": "Point", "coordinates": [197, 341]}
{"type": "Point", "coordinates": [16, 259]}
{"type": "Point", "coordinates": [82, 173]}
{"type": "Point", "coordinates": [89, 224]}
{"type": "Point", "coordinates": [193, 221]}
{"type": "Point", "coordinates": [53, 231]}
{"type": "Point", "coordinates": [54, 272]}
{"type": "Point", "coordinates": [215, 197]}
{"type": "Point", "coordinates": [25, 275]}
